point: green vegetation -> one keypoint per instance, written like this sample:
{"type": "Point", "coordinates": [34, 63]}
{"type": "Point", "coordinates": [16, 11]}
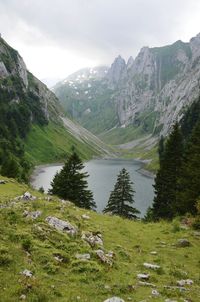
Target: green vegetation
{"type": "Point", "coordinates": [121, 198]}
{"type": "Point", "coordinates": [36, 246]}
{"type": "Point", "coordinates": [71, 184]}
{"type": "Point", "coordinates": [52, 143]}
{"type": "Point", "coordinates": [166, 182]}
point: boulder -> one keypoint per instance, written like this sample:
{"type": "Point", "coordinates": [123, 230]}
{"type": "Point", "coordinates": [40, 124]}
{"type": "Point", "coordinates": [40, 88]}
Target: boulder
{"type": "Point", "coordinates": [62, 225]}
{"type": "Point", "coordinates": [114, 299]}
{"type": "Point", "coordinates": [151, 266]}
{"type": "Point", "coordinates": [83, 256]}
{"type": "Point", "coordinates": [27, 273]}
{"type": "Point", "coordinates": [2, 182]}
{"type": "Point", "coordinates": [92, 239]}
{"type": "Point", "coordinates": [143, 276]}
{"type": "Point", "coordinates": [105, 258]}
{"type": "Point", "coordinates": [146, 284]}
{"type": "Point", "coordinates": [183, 243]}
{"type": "Point", "coordinates": [153, 253]}
{"type": "Point", "coordinates": [185, 282]}
{"type": "Point", "coordinates": [155, 293]}
{"type": "Point", "coordinates": [33, 215]}
{"type": "Point", "coordinates": [85, 217]}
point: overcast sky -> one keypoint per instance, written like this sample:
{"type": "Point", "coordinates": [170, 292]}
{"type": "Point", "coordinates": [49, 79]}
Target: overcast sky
{"type": "Point", "coordinates": [56, 38]}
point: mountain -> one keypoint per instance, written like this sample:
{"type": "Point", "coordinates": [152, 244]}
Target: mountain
{"type": "Point", "coordinates": [143, 96]}
{"type": "Point", "coordinates": [31, 121]}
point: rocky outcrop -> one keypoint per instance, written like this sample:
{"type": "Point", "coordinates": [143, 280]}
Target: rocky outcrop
{"type": "Point", "coordinates": [62, 225]}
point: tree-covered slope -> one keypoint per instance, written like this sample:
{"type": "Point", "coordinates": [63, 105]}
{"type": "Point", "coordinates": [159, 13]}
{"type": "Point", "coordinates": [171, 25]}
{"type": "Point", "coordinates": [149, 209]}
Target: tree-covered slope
{"type": "Point", "coordinates": [39, 262]}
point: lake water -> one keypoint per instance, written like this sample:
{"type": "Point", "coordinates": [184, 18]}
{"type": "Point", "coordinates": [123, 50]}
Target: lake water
{"type": "Point", "coordinates": [102, 177]}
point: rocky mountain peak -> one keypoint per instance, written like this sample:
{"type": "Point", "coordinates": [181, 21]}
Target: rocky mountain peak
{"type": "Point", "coordinates": [130, 63]}
{"type": "Point", "coordinates": [117, 71]}
{"type": "Point", "coordinates": [195, 47]}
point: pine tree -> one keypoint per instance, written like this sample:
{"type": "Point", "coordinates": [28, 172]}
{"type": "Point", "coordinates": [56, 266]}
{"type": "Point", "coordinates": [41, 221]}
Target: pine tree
{"type": "Point", "coordinates": [121, 198]}
{"type": "Point", "coordinates": [166, 181]}
{"type": "Point", "coordinates": [189, 181]}
{"type": "Point", "coordinates": [70, 183]}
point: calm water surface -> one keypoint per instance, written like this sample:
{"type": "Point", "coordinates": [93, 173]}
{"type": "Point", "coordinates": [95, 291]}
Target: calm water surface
{"type": "Point", "coordinates": [102, 177]}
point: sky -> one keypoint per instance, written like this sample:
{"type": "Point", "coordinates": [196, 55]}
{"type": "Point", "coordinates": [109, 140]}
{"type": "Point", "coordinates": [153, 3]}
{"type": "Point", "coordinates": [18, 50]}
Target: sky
{"type": "Point", "coordinates": [56, 38]}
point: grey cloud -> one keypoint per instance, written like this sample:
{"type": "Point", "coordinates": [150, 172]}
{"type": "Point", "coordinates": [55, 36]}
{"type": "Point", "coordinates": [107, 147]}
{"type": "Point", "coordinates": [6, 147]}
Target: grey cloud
{"type": "Point", "coordinates": [100, 28]}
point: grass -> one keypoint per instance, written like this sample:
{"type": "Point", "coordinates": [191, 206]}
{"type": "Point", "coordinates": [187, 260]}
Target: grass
{"type": "Point", "coordinates": [52, 143]}
{"type": "Point", "coordinates": [122, 135]}
{"type": "Point", "coordinates": [33, 244]}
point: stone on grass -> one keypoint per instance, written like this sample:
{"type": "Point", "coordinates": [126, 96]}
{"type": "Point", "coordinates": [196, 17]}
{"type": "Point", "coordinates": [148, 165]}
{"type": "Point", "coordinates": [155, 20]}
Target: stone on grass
{"type": "Point", "coordinates": [33, 215]}
{"type": "Point", "coordinates": [27, 273]}
{"type": "Point", "coordinates": [184, 282]}
{"type": "Point", "coordinates": [22, 297]}
{"type": "Point", "coordinates": [83, 256]}
{"type": "Point", "coordinates": [114, 299]}
{"type": "Point", "coordinates": [85, 217]}
{"type": "Point", "coordinates": [2, 182]}
{"type": "Point", "coordinates": [62, 225]}
{"type": "Point", "coordinates": [105, 258]}
{"type": "Point", "coordinates": [143, 276]}
{"type": "Point", "coordinates": [92, 239]}
{"type": "Point", "coordinates": [183, 243]}
{"type": "Point", "coordinates": [153, 253]}
{"type": "Point", "coordinates": [155, 293]}
{"type": "Point", "coordinates": [146, 284]}
{"type": "Point", "coordinates": [151, 266]}
{"type": "Point", "coordinates": [26, 196]}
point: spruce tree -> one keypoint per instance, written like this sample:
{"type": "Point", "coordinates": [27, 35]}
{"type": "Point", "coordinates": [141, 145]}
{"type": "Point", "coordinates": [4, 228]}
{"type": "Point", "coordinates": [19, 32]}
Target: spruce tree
{"type": "Point", "coordinates": [71, 184]}
{"type": "Point", "coordinates": [166, 181]}
{"type": "Point", "coordinates": [189, 180]}
{"type": "Point", "coordinates": [121, 198]}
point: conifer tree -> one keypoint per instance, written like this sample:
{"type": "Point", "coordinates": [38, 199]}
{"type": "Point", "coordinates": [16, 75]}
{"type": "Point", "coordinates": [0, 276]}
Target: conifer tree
{"type": "Point", "coordinates": [189, 181]}
{"type": "Point", "coordinates": [166, 181]}
{"type": "Point", "coordinates": [71, 184]}
{"type": "Point", "coordinates": [121, 198]}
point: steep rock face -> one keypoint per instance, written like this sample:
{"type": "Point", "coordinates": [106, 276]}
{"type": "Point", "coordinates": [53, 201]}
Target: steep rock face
{"type": "Point", "coordinates": [14, 76]}
{"type": "Point", "coordinates": [162, 81]}
{"type": "Point", "coordinates": [149, 92]}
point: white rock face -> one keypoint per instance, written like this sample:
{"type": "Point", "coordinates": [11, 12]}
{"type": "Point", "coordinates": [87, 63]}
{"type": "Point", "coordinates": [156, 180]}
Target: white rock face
{"type": "Point", "coordinates": [3, 71]}
{"type": "Point", "coordinates": [22, 71]}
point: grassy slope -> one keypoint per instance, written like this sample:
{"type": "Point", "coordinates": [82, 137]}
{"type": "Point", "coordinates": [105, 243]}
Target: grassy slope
{"type": "Point", "coordinates": [90, 280]}
{"type": "Point", "coordinates": [52, 143]}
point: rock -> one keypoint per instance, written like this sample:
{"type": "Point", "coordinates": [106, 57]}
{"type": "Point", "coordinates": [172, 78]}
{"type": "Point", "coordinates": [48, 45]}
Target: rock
{"type": "Point", "coordinates": [151, 266]}
{"type": "Point", "coordinates": [83, 256]}
{"type": "Point", "coordinates": [185, 282]}
{"type": "Point", "coordinates": [2, 182]}
{"type": "Point", "coordinates": [146, 284]}
{"type": "Point", "coordinates": [143, 276]}
{"type": "Point", "coordinates": [153, 253]}
{"type": "Point", "coordinates": [86, 217]}
{"type": "Point", "coordinates": [155, 293]}
{"type": "Point", "coordinates": [58, 257]}
{"type": "Point", "coordinates": [62, 225]}
{"type": "Point", "coordinates": [105, 258]}
{"type": "Point", "coordinates": [196, 234]}
{"type": "Point", "coordinates": [22, 297]}
{"type": "Point", "coordinates": [3, 71]}
{"type": "Point", "coordinates": [33, 215]}
{"type": "Point", "coordinates": [27, 273]}
{"type": "Point", "coordinates": [28, 196]}
{"type": "Point", "coordinates": [114, 299]}
{"type": "Point", "coordinates": [92, 239]}
{"type": "Point", "coordinates": [169, 300]}
{"type": "Point", "coordinates": [183, 243]}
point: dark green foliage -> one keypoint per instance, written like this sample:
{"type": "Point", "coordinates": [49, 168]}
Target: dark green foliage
{"type": "Point", "coordinates": [189, 181]}
{"type": "Point", "coordinates": [161, 149]}
{"type": "Point", "coordinates": [121, 198]}
{"type": "Point", "coordinates": [166, 181]}
{"type": "Point", "coordinates": [190, 119]}
{"type": "Point", "coordinates": [71, 183]}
